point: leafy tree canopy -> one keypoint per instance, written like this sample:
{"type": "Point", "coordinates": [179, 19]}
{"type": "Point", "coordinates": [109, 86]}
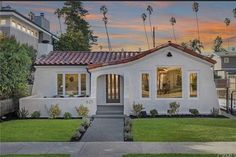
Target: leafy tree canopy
{"type": "Point", "coordinates": [78, 34]}
{"type": "Point", "coordinates": [15, 65]}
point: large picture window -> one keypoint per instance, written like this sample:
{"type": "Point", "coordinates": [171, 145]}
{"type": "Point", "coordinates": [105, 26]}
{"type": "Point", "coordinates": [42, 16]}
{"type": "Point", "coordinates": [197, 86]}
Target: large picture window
{"type": "Point", "coordinates": [193, 84]}
{"type": "Point", "coordinates": [169, 82]}
{"type": "Point", "coordinates": [72, 84]}
{"type": "Point", "coordinates": [145, 85]}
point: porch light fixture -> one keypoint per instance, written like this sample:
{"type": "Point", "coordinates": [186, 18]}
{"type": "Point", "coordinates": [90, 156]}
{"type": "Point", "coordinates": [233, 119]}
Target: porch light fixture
{"type": "Point", "coordinates": [169, 54]}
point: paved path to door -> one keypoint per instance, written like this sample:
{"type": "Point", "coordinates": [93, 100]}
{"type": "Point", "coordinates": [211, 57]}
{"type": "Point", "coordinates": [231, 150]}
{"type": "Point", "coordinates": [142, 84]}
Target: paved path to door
{"type": "Point", "coordinates": [105, 129]}
{"type": "Point", "coordinates": [115, 149]}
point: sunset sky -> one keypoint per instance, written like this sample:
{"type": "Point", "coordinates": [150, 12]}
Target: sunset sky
{"type": "Point", "coordinates": [125, 25]}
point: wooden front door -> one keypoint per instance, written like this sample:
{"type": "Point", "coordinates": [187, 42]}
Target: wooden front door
{"type": "Point", "coordinates": [112, 88]}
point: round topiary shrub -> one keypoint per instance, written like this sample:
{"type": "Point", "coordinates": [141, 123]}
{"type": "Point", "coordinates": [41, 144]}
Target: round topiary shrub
{"type": "Point", "coordinates": [67, 115]}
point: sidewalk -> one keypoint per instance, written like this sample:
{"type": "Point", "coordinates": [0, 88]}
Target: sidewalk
{"type": "Point", "coordinates": [115, 149]}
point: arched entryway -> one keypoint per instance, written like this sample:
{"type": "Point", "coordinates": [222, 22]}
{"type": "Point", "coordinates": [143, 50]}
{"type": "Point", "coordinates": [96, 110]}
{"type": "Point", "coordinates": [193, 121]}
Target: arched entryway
{"type": "Point", "coordinates": [110, 92]}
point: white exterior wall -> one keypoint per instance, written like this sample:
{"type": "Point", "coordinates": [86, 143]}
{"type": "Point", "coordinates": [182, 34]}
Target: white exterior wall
{"type": "Point", "coordinates": [46, 83]}
{"type": "Point", "coordinates": [35, 103]}
{"type": "Point", "coordinates": [207, 96]}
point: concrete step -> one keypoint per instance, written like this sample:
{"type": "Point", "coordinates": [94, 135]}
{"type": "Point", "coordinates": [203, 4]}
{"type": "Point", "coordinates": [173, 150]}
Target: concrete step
{"type": "Point", "coordinates": [109, 112]}
{"type": "Point", "coordinates": [109, 116]}
{"type": "Point", "coordinates": [110, 108]}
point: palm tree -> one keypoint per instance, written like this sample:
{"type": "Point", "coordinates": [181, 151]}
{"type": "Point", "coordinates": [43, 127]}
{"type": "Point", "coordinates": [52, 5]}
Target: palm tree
{"type": "Point", "coordinates": [150, 10]}
{"type": "Point", "coordinates": [104, 11]}
{"type": "Point", "coordinates": [144, 16]}
{"type": "Point", "coordinates": [196, 45]}
{"type": "Point", "coordinates": [59, 14]}
{"type": "Point", "coordinates": [173, 22]}
{"type": "Point", "coordinates": [195, 7]}
{"type": "Point", "coordinates": [227, 22]}
{"type": "Point", "coordinates": [218, 44]}
{"type": "Point", "coordinates": [234, 12]}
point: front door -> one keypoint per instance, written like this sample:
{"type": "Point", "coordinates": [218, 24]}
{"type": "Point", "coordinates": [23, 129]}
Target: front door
{"type": "Point", "coordinates": [112, 88]}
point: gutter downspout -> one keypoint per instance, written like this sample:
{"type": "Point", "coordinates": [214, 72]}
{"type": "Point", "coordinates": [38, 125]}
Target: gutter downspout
{"type": "Point", "coordinates": [89, 80]}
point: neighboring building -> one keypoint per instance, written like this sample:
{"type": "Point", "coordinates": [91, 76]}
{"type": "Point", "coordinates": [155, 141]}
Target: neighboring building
{"type": "Point", "coordinates": [34, 32]}
{"type": "Point", "coordinates": [155, 78]}
{"type": "Point", "coordinates": [225, 69]}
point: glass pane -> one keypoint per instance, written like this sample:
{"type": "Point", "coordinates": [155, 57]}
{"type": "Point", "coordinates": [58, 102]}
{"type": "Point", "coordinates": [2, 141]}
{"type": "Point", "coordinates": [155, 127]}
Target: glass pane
{"type": "Point", "coordinates": [71, 84]}
{"type": "Point", "coordinates": [145, 85]}
{"type": "Point", "coordinates": [169, 82]}
{"type": "Point", "coordinates": [193, 84]}
{"type": "Point", "coordinates": [59, 84]}
{"type": "Point", "coordinates": [83, 84]}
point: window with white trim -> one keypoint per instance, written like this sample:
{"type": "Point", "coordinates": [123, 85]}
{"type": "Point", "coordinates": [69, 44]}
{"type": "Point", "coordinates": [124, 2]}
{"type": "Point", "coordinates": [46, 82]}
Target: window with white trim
{"type": "Point", "coordinates": [72, 84]}
{"type": "Point", "coordinates": [3, 22]}
{"type": "Point", "coordinates": [169, 82]}
{"type": "Point", "coordinates": [145, 85]}
{"type": "Point", "coordinates": [13, 23]}
{"type": "Point", "coordinates": [193, 85]}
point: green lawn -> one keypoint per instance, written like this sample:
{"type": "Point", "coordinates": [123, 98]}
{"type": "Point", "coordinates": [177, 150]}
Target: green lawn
{"type": "Point", "coordinates": [38, 130]}
{"type": "Point", "coordinates": [184, 129]}
{"type": "Point", "coordinates": [36, 155]}
{"type": "Point", "coordinates": [170, 155]}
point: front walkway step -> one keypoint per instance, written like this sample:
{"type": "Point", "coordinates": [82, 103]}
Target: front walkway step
{"type": "Point", "coordinates": [109, 116]}
{"type": "Point", "coordinates": [105, 129]}
{"type": "Point", "coordinates": [109, 112]}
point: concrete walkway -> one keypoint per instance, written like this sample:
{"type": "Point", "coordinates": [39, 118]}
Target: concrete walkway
{"type": "Point", "coordinates": [105, 129]}
{"type": "Point", "coordinates": [115, 149]}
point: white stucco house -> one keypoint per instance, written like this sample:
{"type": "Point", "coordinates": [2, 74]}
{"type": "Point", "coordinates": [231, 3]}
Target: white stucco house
{"type": "Point", "coordinates": [155, 78]}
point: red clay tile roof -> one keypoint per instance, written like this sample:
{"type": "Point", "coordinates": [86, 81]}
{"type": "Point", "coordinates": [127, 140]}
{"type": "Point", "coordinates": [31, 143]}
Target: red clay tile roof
{"type": "Point", "coordinates": [144, 53]}
{"type": "Point", "coordinates": [83, 57]}
{"type": "Point", "coordinates": [103, 58]}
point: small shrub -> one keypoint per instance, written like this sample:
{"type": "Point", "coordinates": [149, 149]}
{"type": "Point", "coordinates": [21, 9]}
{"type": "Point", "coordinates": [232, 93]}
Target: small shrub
{"type": "Point", "coordinates": [153, 113]}
{"type": "Point", "coordinates": [82, 129]}
{"type": "Point", "coordinates": [128, 137]}
{"type": "Point", "coordinates": [82, 110]}
{"type": "Point", "coordinates": [127, 128]}
{"type": "Point", "coordinates": [35, 114]}
{"type": "Point", "coordinates": [22, 113]}
{"type": "Point", "coordinates": [54, 111]}
{"type": "Point", "coordinates": [174, 108]}
{"type": "Point", "coordinates": [137, 108]}
{"type": "Point", "coordinates": [194, 112]}
{"type": "Point", "coordinates": [67, 115]}
{"type": "Point", "coordinates": [76, 136]}
{"type": "Point", "coordinates": [215, 111]}
{"type": "Point", "coordinates": [85, 122]}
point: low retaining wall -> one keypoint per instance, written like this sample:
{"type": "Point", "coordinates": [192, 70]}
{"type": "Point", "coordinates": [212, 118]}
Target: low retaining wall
{"type": "Point", "coordinates": [34, 103]}
{"type": "Point", "coordinates": [7, 106]}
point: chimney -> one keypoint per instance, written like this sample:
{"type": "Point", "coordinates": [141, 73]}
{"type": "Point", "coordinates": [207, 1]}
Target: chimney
{"type": "Point", "coordinates": [139, 49]}
{"type": "Point", "coordinates": [42, 14]}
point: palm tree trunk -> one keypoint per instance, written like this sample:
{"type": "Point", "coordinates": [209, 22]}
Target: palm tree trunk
{"type": "Point", "coordinates": [60, 24]}
{"type": "Point", "coordinates": [146, 34]}
{"type": "Point", "coordinates": [150, 24]}
{"type": "Point", "coordinates": [226, 32]}
{"type": "Point", "coordinates": [173, 29]}
{"type": "Point", "coordinates": [108, 39]}
{"type": "Point", "coordinates": [197, 27]}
